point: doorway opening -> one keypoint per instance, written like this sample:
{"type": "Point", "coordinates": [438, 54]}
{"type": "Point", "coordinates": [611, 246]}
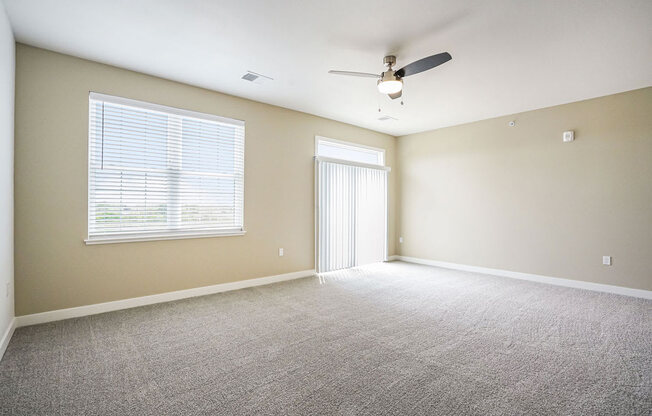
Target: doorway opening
{"type": "Point", "coordinates": [351, 204]}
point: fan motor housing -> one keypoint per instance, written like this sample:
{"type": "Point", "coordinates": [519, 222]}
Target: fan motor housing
{"type": "Point", "coordinates": [389, 75]}
{"type": "Point", "coordinates": [389, 60]}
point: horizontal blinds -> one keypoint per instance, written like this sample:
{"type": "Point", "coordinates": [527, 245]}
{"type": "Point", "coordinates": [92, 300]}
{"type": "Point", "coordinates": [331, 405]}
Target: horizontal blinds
{"type": "Point", "coordinates": [160, 170]}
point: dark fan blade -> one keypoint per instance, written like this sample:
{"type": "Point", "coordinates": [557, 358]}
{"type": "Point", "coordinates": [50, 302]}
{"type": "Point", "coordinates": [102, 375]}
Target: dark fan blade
{"type": "Point", "coordinates": [424, 64]}
{"type": "Point", "coordinates": [355, 74]}
{"type": "Point", "coordinates": [396, 95]}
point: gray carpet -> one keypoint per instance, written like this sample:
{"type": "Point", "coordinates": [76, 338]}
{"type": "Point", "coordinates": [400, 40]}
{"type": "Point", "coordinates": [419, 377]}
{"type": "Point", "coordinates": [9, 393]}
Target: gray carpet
{"type": "Point", "coordinates": [388, 339]}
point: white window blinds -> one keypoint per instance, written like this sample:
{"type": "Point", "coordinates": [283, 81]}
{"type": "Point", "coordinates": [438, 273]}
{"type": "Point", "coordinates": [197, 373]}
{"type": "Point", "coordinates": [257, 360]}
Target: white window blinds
{"type": "Point", "coordinates": [161, 172]}
{"type": "Point", "coordinates": [351, 215]}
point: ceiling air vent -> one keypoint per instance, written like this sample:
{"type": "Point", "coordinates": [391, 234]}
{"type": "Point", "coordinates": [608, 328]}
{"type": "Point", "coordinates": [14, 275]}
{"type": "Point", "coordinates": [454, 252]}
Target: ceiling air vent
{"type": "Point", "coordinates": [386, 117]}
{"type": "Point", "coordinates": [256, 78]}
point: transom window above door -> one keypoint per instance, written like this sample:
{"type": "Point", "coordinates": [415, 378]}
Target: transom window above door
{"type": "Point", "coordinates": [157, 172]}
{"type": "Point", "coordinates": [336, 149]}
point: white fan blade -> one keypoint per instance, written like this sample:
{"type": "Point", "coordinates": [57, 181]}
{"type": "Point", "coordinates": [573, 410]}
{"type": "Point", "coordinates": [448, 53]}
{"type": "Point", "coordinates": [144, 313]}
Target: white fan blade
{"type": "Point", "coordinates": [355, 74]}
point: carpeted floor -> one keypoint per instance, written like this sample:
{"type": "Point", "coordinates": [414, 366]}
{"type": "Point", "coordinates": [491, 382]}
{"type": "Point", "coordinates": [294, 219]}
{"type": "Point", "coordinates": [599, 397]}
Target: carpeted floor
{"type": "Point", "coordinates": [386, 339]}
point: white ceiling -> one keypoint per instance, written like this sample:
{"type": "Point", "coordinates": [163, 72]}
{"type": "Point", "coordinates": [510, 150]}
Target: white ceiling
{"type": "Point", "coordinates": [508, 55]}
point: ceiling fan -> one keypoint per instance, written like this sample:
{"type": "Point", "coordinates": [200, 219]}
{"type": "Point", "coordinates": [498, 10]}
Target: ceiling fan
{"type": "Point", "coordinates": [390, 82]}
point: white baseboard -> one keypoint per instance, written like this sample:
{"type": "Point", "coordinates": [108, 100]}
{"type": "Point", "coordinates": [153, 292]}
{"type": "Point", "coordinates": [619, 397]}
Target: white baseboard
{"type": "Point", "coordinates": [6, 337]}
{"type": "Point", "coordinates": [578, 284]}
{"type": "Point", "coordinates": [57, 315]}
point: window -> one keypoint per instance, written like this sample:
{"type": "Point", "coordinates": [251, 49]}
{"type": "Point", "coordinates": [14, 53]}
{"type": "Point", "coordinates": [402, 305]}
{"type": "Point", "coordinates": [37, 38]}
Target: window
{"type": "Point", "coordinates": [336, 149]}
{"type": "Point", "coordinates": [158, 172]}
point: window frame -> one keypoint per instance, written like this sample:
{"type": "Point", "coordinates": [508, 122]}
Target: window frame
{"type": "Point", "coordinates": [163, 234]}
{"type": "Point", "coordinates": [345, 144]}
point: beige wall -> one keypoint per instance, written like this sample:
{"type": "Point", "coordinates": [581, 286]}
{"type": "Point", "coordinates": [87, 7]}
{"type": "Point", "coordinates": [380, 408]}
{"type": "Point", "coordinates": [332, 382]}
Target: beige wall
{"type": "Point", "coordinates": [481, 194]}
{"type": "Point", "coordinates": [517, 198]}
{"type": "Point", "coordinates": [55, 269]}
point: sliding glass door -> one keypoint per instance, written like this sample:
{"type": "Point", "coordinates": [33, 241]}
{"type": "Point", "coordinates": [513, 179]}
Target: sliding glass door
{"type": "Point", "coordinates": [351, 221]}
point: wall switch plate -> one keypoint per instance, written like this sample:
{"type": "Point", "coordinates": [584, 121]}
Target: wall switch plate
{"type": "Point", "coordinates": [606, 260]}
{"type": "Point", "coordinates": [400, 240]}
{"type": "Point", "coordinates": [568, 136]}
{"type": "Point", "coordinates": [280, 252]}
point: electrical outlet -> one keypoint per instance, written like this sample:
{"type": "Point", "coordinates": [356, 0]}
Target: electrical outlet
{"type": "Point", "coordinates": [400, 240]}
{"type": "Point", "coordinates": [280, 252]}
{"type": "Point", "coordinates": [606, 260]}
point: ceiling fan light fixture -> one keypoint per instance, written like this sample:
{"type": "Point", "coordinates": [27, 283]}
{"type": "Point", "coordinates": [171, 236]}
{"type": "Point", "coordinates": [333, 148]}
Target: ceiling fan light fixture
{"type": "Point", "coordinates": [390, 86]}
{"type": "Point", "coordinates": [390, 82]}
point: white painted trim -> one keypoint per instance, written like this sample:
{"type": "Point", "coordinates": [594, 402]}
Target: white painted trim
{"type": "Point", "coordinates": [6, 337]}
{"type": "Point", "coordinates": [163, 108]}
{"type": "Point", "coordinates": [345, 143]}
{"type": "Point", "coordinates": [351, 163]}
{"type": "Point", "coordinates": [316, 219]}
{"type": "Point", "coordinates": [156, 237]}
{"type": "Point", "coordinates": [352, 145]}
{"type": "Point", "coordinates": [57, 315]}
{"type": "Point", "coordinates": [578, 284]}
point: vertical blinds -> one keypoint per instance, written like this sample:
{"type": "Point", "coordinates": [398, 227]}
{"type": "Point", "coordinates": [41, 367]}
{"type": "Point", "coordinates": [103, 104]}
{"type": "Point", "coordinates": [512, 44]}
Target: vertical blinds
{"type": "Point", "coordinates": [161, 171]}
{"type": "Point", "coordinates": [352, 215]}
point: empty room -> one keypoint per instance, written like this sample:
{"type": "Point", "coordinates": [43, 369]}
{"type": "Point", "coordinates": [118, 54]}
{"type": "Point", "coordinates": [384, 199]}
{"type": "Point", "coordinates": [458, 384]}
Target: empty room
{"type": "Point", "coordinates": [427, 207]}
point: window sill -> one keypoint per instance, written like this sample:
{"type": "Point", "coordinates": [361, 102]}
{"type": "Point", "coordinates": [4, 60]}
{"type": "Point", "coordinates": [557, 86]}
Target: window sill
{"type": "Point", "coordinates": [158, 237]}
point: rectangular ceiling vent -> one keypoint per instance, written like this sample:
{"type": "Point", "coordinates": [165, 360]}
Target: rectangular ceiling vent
{"type": "Point", "coordinates": [256, 78]}
{"type": "Point", "coordinates": [386, 117]}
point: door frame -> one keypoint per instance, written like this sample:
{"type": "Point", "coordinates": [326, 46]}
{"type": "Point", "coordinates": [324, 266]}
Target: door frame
{"type": "Point", "coordinates": [318, 158]}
